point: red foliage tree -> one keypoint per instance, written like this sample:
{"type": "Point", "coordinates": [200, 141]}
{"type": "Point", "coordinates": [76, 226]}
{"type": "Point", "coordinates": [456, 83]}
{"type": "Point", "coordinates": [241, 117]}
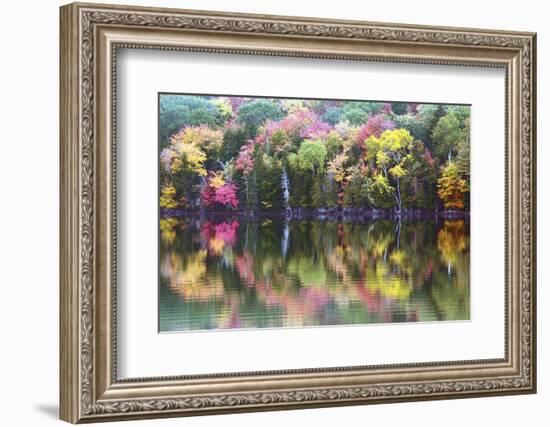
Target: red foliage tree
{"type": "Point", "coordinates": [226, 195]}
{"type": "Point", "coordinates": [208, 195]}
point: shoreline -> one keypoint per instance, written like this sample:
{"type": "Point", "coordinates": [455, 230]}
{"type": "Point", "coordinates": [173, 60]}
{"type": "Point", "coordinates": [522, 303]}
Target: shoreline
{"type": "Point", "coordinates": [327, 214]}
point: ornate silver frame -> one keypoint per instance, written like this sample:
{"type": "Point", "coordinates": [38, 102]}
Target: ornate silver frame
{"type": "Point", "coordinates": [90, 36]}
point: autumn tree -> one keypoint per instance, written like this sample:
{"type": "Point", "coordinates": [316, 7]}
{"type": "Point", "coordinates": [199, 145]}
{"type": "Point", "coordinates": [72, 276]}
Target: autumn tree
{"type": "Point", "coordinates": [236, 152]}
{"type": "Point", "coordinates": [207, 140]}
{"type": "Point", "coordinates": [218, 192]}
{"type": "Point", "coordinates": [337, 168]}
{"type": "Point", "coordinates": [451, 187]}
{"type": "Point", "coordinates": [244, 165]}
{"type": "Point", "coordinates": [226, 195]}
{"type": "Point", "coordinates": [167, 197]}
{"type": "Point", "coordinates": [392, 150]}
{"type": "Point", "coordinates": [184, 166]}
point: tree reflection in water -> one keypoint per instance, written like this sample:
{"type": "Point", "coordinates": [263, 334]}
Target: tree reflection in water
{"type": "Point", "coordinates": [235, 273]}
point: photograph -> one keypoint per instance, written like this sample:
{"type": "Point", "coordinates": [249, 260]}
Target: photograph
{"type": "Point", "coordinates": [288, 212]}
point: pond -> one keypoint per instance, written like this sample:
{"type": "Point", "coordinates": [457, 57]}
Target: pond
{"type": "Point", "coordinates": [233, 272]}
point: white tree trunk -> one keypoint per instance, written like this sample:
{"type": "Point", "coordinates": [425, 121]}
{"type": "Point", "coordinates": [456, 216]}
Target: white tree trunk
{"type": "Point", "coordinates": [286, 187]}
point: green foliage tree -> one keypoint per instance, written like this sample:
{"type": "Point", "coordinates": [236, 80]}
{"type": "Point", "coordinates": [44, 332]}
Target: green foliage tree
{"type": "Point", "coordinates": [330, 191]}
{"type": "Point", "coordinates": [318, 197]}
{"type": "Point", "coordinates": [296, 178]}
{"type": "Point", "coordinates": [429, 115]}
{"type": "Point", "coordinates": [399, 108]}
{"type": "Point", "coordinates": [334, 144]}
{"type": "Point", "coordinates": [333, 115]}
{"type": "Point", "coordinates": [447, 133]}
{"type": "Point", "coordinates": [255, 113]}
{"type": "Point", "coordinates": [233, 139]}
{"type": "Point", "coordinates": [418, 186]}
{"type": "Point", "coordinates": [177, 111]}
{"type": "Point", "coordinates": [225, 111]}
{"type": "Point", "coordinates": [186, 182]}
{"type": "Point", "coordinates": [463, 152]}
{"type": "Point", "coordinates": [279, 144]}
{"type": "Point", "coordinates": [301, 182]}
{"type": "Point", "coordinates": [356, 189]}
{"type": "Point", "coordinates": [312, 155]}
{"type": "Point", "coordinates": [268, 178]}
{"type": "Point", "coordinates": [307, 183]}
{"type": "Point", "coordinates": [380, 192]}
{"type": "Point", "coordinates": [413, 124]}
{"type": "Point", "coordinates": [357, 113]}
{"type": "Point", "coordinates": [462, 112]}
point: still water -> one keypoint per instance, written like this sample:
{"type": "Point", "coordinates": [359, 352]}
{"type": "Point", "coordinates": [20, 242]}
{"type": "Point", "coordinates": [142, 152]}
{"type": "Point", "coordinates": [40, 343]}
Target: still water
{"type": "Point", "coordinates": [226, 273]}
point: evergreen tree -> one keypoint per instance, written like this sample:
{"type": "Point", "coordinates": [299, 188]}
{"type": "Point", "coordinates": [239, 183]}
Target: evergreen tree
{"type": "Point", "coordinates": [233, 139]}
{"type": "Point", "coordinates": [463, 153]}
{"type": "Point", "coordinates": [318, 198]}
{"type": "Point", "coordinates": [268, 175]}
{"type": "Point", "coordinates": [331, 191]}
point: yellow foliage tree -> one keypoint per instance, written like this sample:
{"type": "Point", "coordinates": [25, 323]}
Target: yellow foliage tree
{"type": "Point", "coordinates": [167, 197]}
{"type": "Point", "coordinates": [451, 187]}
{"type": "Point", "coordinates": [216, 180]}
{"type": "Point", "coordinates": [201, 136]}
{"type": "Point", "coordinates": [390, 153]}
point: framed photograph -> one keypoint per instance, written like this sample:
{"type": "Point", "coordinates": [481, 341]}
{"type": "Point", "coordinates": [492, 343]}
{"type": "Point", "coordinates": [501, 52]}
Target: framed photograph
{"type": "Point", "coordinates": [267, 212]}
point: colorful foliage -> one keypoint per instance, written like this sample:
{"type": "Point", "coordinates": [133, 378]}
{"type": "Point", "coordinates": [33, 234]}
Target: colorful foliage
{"type": "Point", "coordinates": [226, 195]}
{"type": "Point", "coordinates": [269, 154]}
{"type": "Point", "coordinates": [451, 187]}
{"type": "Point", "coordinates": [167, 197]}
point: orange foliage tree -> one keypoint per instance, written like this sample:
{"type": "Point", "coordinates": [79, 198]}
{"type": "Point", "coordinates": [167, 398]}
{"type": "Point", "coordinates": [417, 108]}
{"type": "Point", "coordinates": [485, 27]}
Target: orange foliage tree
{"type": "Point", "coordinates": [451, 187]}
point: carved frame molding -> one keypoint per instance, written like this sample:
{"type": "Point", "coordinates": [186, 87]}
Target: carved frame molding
{"type": "Point", "coordinates": [90, 37]}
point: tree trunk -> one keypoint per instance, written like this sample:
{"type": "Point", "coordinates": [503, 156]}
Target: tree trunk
{"type": "Point", "coordinates": [398, 197]}
{"type": "Point", "coordinates": [286, 190]}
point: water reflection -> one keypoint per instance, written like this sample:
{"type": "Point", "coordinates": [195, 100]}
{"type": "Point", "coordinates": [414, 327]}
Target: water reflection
{"type": "Point", "coordinates": [221, 273]}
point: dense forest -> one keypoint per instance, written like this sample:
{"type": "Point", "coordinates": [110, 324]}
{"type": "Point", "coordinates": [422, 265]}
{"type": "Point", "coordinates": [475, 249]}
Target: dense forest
{"type": "Point", "coordinates": [268, 154]}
